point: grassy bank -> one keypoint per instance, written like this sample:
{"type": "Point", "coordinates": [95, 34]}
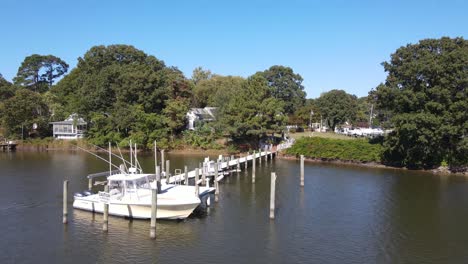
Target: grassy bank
{"type": "Point", "coordinates": [358, 150]}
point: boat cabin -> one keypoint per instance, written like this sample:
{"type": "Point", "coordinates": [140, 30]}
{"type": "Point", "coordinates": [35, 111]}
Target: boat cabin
{"type": "Point", "coordinates": [129, 186]}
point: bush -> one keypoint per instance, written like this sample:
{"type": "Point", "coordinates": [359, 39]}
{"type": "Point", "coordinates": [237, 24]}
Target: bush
{"type": "Point", "coordinates": [332, 149]}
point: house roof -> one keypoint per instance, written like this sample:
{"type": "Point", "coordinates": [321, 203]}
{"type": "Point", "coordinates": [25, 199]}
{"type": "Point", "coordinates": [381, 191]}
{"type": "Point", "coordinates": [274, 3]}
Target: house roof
{"type": "Point", "coordinates": [72, 119]}
{"type": "Point", "coordinates": [207, 113]}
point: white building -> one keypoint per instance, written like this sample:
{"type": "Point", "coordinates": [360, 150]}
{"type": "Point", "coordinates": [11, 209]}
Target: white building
{"type": "Point", "coordinates": [195, 115]}
{"type": "Point", "coordinates": [72, 128]}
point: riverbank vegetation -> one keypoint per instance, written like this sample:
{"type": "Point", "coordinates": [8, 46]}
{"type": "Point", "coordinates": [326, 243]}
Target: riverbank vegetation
{"type": "Point", "coordinates": [125, 94]}
{"type": "Point", "coordinates": [328, 149]}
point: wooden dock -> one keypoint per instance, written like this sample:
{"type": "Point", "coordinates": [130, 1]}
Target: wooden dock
{"type": "Point", "coordinates": [208, 166]}
{"type": "Point", "coordinates": [8, 145]}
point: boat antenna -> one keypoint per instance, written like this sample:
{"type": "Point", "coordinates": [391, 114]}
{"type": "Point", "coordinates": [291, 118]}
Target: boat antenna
{"type": "Point", "coordinates": [110, 159]}
{"type": "Point", "coordinates": [131, 154]}
{"type": "Point", "coordinates": [137, 164]}
{"type": "Point", "coordinates": [115, 155]}
{"type": "Point", "coordinates": [97, 156]}
{"type": "Point", "coordinates": [121, 157]}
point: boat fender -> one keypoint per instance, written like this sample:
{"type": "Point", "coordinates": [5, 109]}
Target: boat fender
{"type": "Point", "coordinates": [87, 193]}
{"type": "Point", "coordinates": [78, 194]}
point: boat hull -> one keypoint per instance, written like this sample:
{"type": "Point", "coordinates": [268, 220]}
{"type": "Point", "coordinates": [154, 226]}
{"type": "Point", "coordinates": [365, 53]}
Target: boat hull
{"type": "Point", "coordinates": [138, 211]}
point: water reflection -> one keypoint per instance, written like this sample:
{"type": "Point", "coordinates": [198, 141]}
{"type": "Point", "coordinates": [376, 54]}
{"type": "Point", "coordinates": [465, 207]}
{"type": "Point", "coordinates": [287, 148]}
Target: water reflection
{"type": "Point", "coordinates": [343, 214]}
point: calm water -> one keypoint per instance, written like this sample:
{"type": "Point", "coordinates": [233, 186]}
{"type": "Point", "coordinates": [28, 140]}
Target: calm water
{"type": "Point", "coordinates": [344, 214]}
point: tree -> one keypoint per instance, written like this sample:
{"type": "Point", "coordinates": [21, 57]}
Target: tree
{"type": "Point", "coordinates": [425, 94]}
{"type": "Point", "coordinates": [175, 112]}
{"type": "Point", "coordinates": [216, 91]}
{"type": "Point", "coordinates": [285, 86]}
{"type": "Point", "coordinates": [6, 89]}
{"type": "Point", "coordinates": [38, 72]}
{"type": "Point", "coordinates": [125, 93]}
{"type": "Point", "coordinates": [199, 74]}
{"type": "Point", "coordinates": [21, 111]}
{"type": "Point", "coordinates": [252, 111]}
{"type": "Point", "coordinates": [337, 106]}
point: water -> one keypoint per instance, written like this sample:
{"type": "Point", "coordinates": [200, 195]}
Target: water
{"type": "Point", "coordinates": [344, 214]}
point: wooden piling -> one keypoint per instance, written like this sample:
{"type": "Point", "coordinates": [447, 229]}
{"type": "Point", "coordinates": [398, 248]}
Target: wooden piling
{"type": "Point", "coordinates": [105, 215]}
{"type": "Point", "coordinates": [272, 195]}
{"type": "Point", "coordinates": [216, 182]}
{"type": "Point", "coordinates": [197, 177]}
{"type": "Point", "coordinates": [65, 202]}
{"type": "Point", "coordinates": [162, 160]}
{"type": "Point", "coordinates": [253, 167]}
{"type": "Point", "coordinates": [260, 157]}
{"type": "Point", "coordinates": [302, 170]}
{"type": "Point", "coordinates": [246, 160]}
{"type": "Point", "coordinates": [238, 164]}
{"type": "Point", "coordinates": [203, 175]}
{"type": "Point", "coordinates": [90, 183]}
{"type": "Point", "coordinates": [168, 170]}
{"type": "Point", "coordinates": [154, 210]}
{"type": "Point", "coordinates": [186, 175]}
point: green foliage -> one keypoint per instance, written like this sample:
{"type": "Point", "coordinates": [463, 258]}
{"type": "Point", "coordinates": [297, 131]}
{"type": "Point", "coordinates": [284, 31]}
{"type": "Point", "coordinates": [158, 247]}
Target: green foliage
{"type": "Point", "coordinates": [125, 94]}
{"type": "Point", "coordinates": [359, 150]}
{"type": "Point", "coordinates": [203, 137]}
{"type": "Point", "coordinates": [425, 93]}
{"type": "Point", "coordinates": [21, 111]}
{"type": "Point", "coordinates": [337, 106]}
{"type": "Point", "coordinates": [38, 72]}
{"type": "Point", "coordinates": [252, 111]}
{"type": "Point", "coordinates": [199, 75]}
{"type": "Point", "coordinates": [216, 90]}
{"type": "Point", "coordinates": [6, 89]}
{"type": "Point", "coordinates": [285, 86]}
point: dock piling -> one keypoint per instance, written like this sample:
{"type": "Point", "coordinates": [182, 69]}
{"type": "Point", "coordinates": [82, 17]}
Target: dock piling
{"type": "Point", "coordinates": [272, 195]}
{"type": "Point", "coordinates": [65, 202]}
{"type": "Point", "coordinates": [203, 175]}
{"type": "Point", "coordinates": [162, 160]}
{"type": "Point", "coordinates": [302, 170]}
{"type": "Point", "coordinates": [260, 157]}
{"type": "Point", "coordinates": [246, 159]}
{"type": "Point", "coordinates": [253, 167]}
{"type": "Point", "coordinates": [90, 183]}
{"type": "Point", "coordinates": [186, 175]}
{"type": "Point", "coordinates": [168, 170]}
{"type": "Point", "coordinates": [105, 216]}
{"type": "Point", "coordinates": [216, 182]}
{"type": "Point", "coordinates": [197, 187]}
{"type": "Point", "coordinates": [154, 209]}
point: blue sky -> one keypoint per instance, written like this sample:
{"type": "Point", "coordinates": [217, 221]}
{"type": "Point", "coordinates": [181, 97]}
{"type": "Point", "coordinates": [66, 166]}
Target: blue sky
{"type": "Point", "coordinates": [331, 44]}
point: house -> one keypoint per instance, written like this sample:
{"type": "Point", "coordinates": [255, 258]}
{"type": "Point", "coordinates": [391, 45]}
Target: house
{"type": "Point", "coordinates": [72, 128]}
{"type": "Point", "coordinates": [195, 115]}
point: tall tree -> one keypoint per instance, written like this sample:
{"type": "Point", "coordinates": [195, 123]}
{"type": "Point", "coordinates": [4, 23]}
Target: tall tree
{"type": "Point", "coordinates": [6, 89]}
{"type": "Point", "coordinates": [21, 111]}
{"type": "Point", "coordinates": [123, 91]}
{"type": "Point", "coordinates": [216, 91]}
{"type": "Point", "coordinates": [425, 92]}
{"type": "Point", "coordinates": [286, 86]}
{"type": "Point", "coordinates": [38, 72]}
{"type": "Point", "coordinates": [252, 111]}
{"type": "Point", "coordinates": [199, 74]}
{"type": "Point", "coordinates": [337, 107]}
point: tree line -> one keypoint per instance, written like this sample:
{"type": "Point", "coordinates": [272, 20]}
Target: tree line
{"type": "Point", "coordinates": [124, 93]}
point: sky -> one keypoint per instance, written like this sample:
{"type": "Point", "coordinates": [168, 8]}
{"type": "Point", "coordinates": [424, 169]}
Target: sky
{"type": "Point", "coordinates": [332, 44]}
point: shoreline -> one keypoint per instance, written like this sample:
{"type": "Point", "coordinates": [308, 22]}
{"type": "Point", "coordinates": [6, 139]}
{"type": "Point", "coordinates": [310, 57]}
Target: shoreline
{"type": "Point", "coordinates": [442, 171]}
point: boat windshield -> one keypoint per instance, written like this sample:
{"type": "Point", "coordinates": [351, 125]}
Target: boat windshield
{"type": "Point", "coordinates": [142, 183]}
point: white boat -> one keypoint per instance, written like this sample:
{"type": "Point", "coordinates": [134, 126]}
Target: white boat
{"type": "Point", "coordinates": [130, 196]}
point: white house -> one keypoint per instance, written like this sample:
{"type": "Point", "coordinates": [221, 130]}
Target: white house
{"type": "Point", "coordinates": [206, 114]}
{"type": "Point", "coordinates": [72, 128]}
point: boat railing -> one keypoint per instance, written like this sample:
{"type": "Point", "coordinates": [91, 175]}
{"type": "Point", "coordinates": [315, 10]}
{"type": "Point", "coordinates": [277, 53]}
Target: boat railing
{"type": "Point", "coordinates": [103, 174]}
